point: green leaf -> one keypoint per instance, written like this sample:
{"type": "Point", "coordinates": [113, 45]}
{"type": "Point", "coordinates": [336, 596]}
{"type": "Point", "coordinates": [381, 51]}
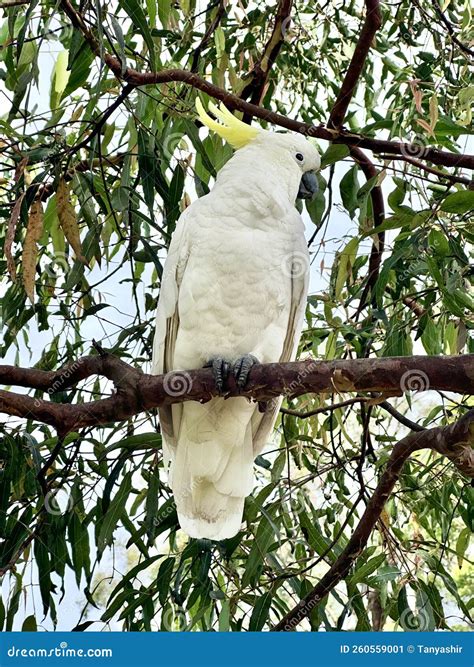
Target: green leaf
{"type": "Point", "coordinates": [147, 168]}
{"type": "Point", "coordinates": [366, 569]}
{"type": "Point", "coordinates": [264, 537]}
{"type": "Point", "coordinates": [152, 503]}
{"type": "Point", "coordinates": [175, 194]}
{"type": "Point", "coordinates": [224, 617]}
{"type": "Point", "coordinates": [459, 202]}
{"type": "Point", "coordinates": [260, 612]}
{"type": "Point", "coordinates": [29, 624]}
{"type": "Point", "coordinates": [314, 537]}
{"type": "Point", "coordinates": [349, 187]}
{"type": "Point", "coordinates": [60, 74]}
{"type": "Point", "coordinates": [346, 261]}
{"type": "Point", "coordinates": [80, 67]}
{"type": "Point", "coordinates": [462, 544]}
{"type": "Point", "coordinates": [121, 41]}
{"type": "Point", "coordinates": [392, 222]}
{"type": "Point", "coordinates": [80, 549]}
{"type": "Point", "coordinates": [138, 17]}
{"type": "Point", "coordinates": [334, 153]}
{"type": "Point", "coordinates": [163, 579]}
{"type": "Point", "coordinates": [113, 514]}
{"type": "Point", "coordinates": [44, 572]}
{"type": "Point", "coordinates": [432, 338]}
{"type": "Point", "coordinates": [395, 198]}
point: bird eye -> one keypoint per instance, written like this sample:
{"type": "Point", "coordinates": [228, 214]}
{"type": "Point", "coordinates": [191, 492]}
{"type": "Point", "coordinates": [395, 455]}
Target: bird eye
{"type": "Point", "coordinates": [299, 157]}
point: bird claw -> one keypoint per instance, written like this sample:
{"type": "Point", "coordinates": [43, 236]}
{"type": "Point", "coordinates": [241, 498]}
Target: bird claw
{"type": "Point", "coordinates": [220, 371]}
{"type": "Point", "coordinates": [241, 369]}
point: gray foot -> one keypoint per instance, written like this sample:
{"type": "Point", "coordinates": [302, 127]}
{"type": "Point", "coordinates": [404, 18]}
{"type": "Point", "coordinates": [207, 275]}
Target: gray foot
{"type": "Point", "coordinates": [241, 369]}
{"type": "Point", "coordinates": [220, 370]}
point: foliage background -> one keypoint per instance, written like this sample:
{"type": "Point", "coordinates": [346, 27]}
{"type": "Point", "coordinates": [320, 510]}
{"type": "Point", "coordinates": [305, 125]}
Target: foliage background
{"type": "Point", "coordinates": [107, 550]}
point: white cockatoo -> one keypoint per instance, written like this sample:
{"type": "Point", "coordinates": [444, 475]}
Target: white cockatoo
{"type": "Point", "coordinates": [233, 292]}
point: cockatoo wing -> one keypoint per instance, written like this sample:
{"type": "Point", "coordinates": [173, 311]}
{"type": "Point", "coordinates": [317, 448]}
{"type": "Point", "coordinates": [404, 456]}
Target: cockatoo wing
{"type": "Point", "coordinates": [262, 423]}
{"type": "Point", "coordinates": [167, 323]}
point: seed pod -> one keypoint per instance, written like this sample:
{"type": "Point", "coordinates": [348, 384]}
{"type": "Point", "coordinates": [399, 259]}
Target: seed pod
{"type": "Point", "coordinates": [10, 236]}
{"type": "Point", "coordinates": [30, 248]}
{"type": "Point", "coordinates": [68, 220]}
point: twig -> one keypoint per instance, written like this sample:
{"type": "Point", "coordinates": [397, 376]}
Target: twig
{"type": "Point", "coordinates": [401, 418]}
{"type": "Point", "coordinates": [100, 122]}
{"type": "Point", "coordinates": [324, 408]}
{"type": "Point", "coordinates": [416, 163]}
{"type": "Point", "coordinates": [208, 34]}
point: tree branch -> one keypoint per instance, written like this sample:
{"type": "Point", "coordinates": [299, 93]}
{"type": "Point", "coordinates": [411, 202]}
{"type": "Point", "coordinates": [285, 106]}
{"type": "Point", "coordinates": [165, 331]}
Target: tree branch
{"type": "Point", "coordinates": [373, 21]}
{"type": "Point", "coordinates": [378, 210]}
{"type": "Point", "coordinates": [450, 29]}
{"type": "Point", "coordinates": [207, 35]}
{"type": "Point", "coordinates": [136, 392]}
{"type": "Point", "coordinates": [436, 172]}
{"type": "Point", "coordinates": [453, 441]}
{"type": "Point", "coordinates": [255, 88]}
{"type": "Point", "coordinates": [235, 103]}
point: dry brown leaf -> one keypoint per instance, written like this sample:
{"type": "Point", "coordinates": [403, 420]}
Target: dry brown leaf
{"type": "Point", "coordinates": [20, 168]}
{"type": "Point", "coordinates": [341, 382]}
{"type": "Point", "coordinates": [10, 236]}
{"type": "Point", "coordinates": [417, 94]}
{"type": "Point", "coordinates": [426, 126]}
{"type": "Point", "coordinates": [30, 248]}
{"type": "Point", "coordinates": [68, 220]}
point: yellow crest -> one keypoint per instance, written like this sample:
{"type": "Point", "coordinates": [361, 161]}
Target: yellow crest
{"type": "Point", "coordinates": [230, 128]}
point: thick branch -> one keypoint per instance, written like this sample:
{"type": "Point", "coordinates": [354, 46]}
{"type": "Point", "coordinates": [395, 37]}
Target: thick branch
{"type": "Point", "coordinates": [137, 391]}
{"type": "Point", "coordinates": [373, 21]}
{"type": "Point", "coordinates": [255, 88]}
{"type": "Point", "coordinates": [235, 103]}
{"type": "Point", "coordinates": [454, 441]}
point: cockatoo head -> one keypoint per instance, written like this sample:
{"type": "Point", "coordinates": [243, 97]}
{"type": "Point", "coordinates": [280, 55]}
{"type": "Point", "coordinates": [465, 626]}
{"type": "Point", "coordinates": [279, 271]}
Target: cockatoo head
{"type": "Point", "coordinates": [292, 153]}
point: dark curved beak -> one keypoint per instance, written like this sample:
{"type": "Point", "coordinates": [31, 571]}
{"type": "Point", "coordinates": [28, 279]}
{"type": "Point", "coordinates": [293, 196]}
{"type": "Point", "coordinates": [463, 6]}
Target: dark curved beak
{"type": "Point", "coordinates": [308, 186]}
